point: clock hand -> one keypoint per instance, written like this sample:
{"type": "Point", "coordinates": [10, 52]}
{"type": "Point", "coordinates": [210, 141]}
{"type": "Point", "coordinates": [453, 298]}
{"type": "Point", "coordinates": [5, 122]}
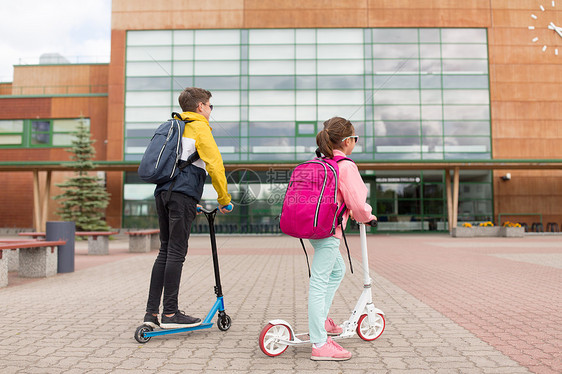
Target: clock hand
{"type": "Point", "coordinates": [558, 30]}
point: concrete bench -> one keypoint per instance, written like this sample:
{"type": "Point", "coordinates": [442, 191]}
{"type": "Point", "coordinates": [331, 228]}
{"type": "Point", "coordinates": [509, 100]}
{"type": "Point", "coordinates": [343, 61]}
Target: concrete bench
{"type": "Point", "coordinates": [142, 241]}
{"type": "Point", "coordinates": [37, 258]}
{"type": "Point", "coordinates": [12, 254]}
{"type": "Point", "coordinates": [98, 241]}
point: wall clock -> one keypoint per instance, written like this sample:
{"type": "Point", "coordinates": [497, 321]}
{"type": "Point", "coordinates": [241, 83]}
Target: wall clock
{"type": "Point", "coordinates": [546, 17]}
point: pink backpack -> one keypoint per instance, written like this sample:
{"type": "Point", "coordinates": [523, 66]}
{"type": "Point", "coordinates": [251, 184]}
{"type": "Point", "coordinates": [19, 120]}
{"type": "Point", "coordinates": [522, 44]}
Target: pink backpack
{"type": "Point", "coordinates": [310, 208]}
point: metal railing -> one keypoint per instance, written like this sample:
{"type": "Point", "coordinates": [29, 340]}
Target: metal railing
{"type": "Point", "coordinates": [53, 90]}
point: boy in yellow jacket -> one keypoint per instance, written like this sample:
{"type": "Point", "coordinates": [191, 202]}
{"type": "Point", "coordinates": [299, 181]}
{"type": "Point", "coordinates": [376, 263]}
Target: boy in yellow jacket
{"type": "Point", "coordinates": [177, 210]}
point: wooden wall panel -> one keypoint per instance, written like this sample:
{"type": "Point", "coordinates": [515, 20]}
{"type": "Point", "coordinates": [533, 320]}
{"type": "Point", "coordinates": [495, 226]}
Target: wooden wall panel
{"type": "Point", "coordinates": [305, 5]}
{"type": "Point", "coordinates": [51, 75]}
{"type": "Point", "coordinates": [527, 54]}
{"type": "Point", "coordinates": [295, 18]}
{"type": "Point", "coordinates": [116, 99]}
{"type": "Point", "coordinates": [129, 7]}
{"type": "Point", "coordinates": [527, 148]}
{"type": "Point", "coordinates": [115, 125]}
{"type": "Point", "coordinates": [540, 110]}
{"type": "Point", "coordinates": [526, 91]}
{"type": "Point", "coordinates": [518, 4]}
{"type": "Point", "coordinates": [431, 4]}
{"type": "Point", "coordinates": [428, 18]}
{"type": "Point", "coordinates": [523, 129]}
{"type": "Point", "coordinates": [535, 73]}
{"type": "Point", "coordinates": [5, 88]}
{"type": "Point", "coordinates": [60, 79]}
{"type": "Point", "coordinates": [179, 14]}
{"type": "Point", "coordinates": [181, 19]}
{"type": "Point", "coordinates": [16, 202]}
{"type": "Point", "coordinates": [207, 19]}
{"type": "Point", "coordinates": [23, 108]}
{"type": "Point", "coordinates": [114, 211]}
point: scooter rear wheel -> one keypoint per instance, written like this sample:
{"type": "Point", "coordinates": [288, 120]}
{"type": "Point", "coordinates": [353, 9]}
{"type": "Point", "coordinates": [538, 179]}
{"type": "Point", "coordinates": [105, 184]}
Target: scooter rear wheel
{"type": "Point", "coordinates": [269, 336]}
{"type": "Point", "coordinates": [139, 333]}
{"type": "Point", "coordinates": [370, 332]}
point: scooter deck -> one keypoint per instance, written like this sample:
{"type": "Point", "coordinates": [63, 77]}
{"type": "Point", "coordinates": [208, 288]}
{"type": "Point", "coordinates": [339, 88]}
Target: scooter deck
{"type": "Point", "coordinates": [162, 331]}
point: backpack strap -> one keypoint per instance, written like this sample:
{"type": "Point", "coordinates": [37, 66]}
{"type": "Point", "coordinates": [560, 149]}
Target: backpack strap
{"type": "Point", "coordinates": [182, 164]}
{"type": "Point", "coordinates": [306, 255]}
{"type": "Point", "coordinates": [340, 217]}
{"type": "Point", "coordinates": [346, 246]}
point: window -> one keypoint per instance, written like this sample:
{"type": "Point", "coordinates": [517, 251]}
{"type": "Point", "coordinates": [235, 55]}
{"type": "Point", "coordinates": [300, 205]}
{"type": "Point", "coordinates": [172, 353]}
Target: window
{"type": "Point", "coordinates": [31, 133]}
{"type": "Point", "coordinates": [11, 133]}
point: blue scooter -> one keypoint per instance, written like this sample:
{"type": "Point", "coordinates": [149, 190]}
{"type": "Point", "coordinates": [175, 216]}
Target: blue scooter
{"type": "Point", "coordinates": [144, 332]}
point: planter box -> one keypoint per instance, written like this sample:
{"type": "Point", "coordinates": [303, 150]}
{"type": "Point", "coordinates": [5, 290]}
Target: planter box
{"type": "Point", "coordinates": [476, 231]}
{"type": "Point", "coordinates": [462, 232]}
{"type": "Point", "coordinates": [512, 232]}
{"type": "Point", "coordinates": [482, 231]}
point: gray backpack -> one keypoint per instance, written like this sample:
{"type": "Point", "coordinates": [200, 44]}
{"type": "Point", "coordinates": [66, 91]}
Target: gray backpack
{"type": "Point", "coordinates": [161, 160]}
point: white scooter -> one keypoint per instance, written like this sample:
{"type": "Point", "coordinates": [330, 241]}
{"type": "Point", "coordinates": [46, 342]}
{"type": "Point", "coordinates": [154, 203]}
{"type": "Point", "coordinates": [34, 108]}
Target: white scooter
{"type": "Point", "coordinates": [365, 319]}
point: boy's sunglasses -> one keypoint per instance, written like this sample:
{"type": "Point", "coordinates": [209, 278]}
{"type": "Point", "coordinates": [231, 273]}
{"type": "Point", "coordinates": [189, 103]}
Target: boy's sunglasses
{"type": "Point", "coordinates": [355, 137]}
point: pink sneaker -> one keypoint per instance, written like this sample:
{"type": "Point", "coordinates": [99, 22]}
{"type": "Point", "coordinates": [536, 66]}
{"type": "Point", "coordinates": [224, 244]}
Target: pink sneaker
{"type": "Point", "coordinates": [331, 351]}
{"type": "Point", "coordinates": [332, 328]}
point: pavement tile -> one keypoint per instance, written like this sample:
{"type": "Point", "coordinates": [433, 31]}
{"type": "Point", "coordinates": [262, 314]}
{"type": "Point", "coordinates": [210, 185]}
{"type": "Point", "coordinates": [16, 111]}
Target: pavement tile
{"type": "Point", "coordinates": [440, 298]}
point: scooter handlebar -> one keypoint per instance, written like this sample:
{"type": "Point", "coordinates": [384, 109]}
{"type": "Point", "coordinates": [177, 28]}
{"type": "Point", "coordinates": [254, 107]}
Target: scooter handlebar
{"type": "Point", "coordinates": [372, 223]}
{"type": "Point", "coordinates": [200, 209]}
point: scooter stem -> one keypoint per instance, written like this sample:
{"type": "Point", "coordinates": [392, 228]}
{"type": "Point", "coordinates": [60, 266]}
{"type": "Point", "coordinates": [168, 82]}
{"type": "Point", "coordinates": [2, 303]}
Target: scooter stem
{"type": "Point", "coordinates": [364, 254]}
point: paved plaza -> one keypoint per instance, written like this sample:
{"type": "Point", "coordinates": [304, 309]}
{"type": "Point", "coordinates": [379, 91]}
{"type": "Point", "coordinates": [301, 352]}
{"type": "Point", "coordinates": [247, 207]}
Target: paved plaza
{"type": "Point", "coordinates": [452, 305]}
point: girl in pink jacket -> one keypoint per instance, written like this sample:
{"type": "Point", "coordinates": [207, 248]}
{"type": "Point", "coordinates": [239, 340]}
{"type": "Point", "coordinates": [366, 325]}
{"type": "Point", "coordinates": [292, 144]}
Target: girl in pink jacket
{"type": "Point", "coordinates": [328, 267]}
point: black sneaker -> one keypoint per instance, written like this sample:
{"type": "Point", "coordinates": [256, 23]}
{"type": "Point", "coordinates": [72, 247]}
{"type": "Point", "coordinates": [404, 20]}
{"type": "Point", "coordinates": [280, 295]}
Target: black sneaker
{"type": "Point", "coordinates": [179, 320]}
{"type": "Point", "coordinates": [151, 320]}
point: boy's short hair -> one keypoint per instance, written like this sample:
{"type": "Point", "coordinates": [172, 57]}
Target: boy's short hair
{"type": "Point", "coordinates": [191, 97]}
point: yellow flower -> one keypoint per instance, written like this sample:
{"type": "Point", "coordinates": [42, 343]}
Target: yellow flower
{"type": "Point", "coordinates": [466, 224]}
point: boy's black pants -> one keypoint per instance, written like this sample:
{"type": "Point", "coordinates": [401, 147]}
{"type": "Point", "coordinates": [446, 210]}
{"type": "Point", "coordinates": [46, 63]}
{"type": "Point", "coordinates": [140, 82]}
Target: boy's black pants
{"type": "Point", "coordinates": [174, 217]}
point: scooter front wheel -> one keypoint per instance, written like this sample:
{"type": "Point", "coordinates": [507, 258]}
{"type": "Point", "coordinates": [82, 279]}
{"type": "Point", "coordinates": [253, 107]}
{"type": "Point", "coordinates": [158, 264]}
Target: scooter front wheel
{"type": "Point", "coordinates": [224, 322]}
{"type": "Point", "coordinates": [269, 339]}
{"type": "Point", "coordinates": [369, 332]}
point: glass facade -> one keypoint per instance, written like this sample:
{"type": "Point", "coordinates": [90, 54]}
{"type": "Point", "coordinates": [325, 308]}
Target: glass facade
{"type": "Point", "coordinates": [412, 94]}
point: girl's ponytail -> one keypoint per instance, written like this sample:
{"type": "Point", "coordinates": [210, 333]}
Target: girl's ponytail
{"type": "Point", "coordinates": [324, 143]}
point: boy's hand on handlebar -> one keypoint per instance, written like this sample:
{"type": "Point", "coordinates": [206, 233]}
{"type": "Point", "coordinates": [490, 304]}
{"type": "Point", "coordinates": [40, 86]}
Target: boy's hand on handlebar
{"type": "Point", "coordinates": [199, 211]}
{"type": "Point", "coordinates": [226, 208]}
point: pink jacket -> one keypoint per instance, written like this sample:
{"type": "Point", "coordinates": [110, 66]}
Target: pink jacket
{"type": "Point", "coordinates": [352, 191]}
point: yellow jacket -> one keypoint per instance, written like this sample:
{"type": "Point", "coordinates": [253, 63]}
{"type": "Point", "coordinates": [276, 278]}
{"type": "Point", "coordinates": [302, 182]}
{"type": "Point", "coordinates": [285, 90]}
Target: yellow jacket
{"type": "Point", "coordinates": [197, 136]}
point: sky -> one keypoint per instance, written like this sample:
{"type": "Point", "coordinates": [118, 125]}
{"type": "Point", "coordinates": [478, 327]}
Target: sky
{"type": "Point", "coordinates": [79, 30]}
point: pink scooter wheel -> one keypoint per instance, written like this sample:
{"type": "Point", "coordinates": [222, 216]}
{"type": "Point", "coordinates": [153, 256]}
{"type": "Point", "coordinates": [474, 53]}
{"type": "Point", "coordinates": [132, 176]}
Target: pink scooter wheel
{"type": "Point", "coordinates": [268, 339]}
{"type": "Point", "coordinates": [370, 332]}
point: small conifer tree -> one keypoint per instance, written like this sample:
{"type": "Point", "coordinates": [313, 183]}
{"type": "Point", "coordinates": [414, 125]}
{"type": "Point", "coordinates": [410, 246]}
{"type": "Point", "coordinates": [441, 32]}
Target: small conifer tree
{"type": "Point", "coordinates": [84, 198]}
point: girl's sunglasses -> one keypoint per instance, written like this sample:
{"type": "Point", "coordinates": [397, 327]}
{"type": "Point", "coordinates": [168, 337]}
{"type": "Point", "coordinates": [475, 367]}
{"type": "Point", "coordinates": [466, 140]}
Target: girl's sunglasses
{"type": "Point", "coordinates": [355, 137]}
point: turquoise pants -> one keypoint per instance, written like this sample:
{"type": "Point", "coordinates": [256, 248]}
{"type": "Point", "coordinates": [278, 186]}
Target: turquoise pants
{"type": "Point", "coordinates": [326, 274]}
